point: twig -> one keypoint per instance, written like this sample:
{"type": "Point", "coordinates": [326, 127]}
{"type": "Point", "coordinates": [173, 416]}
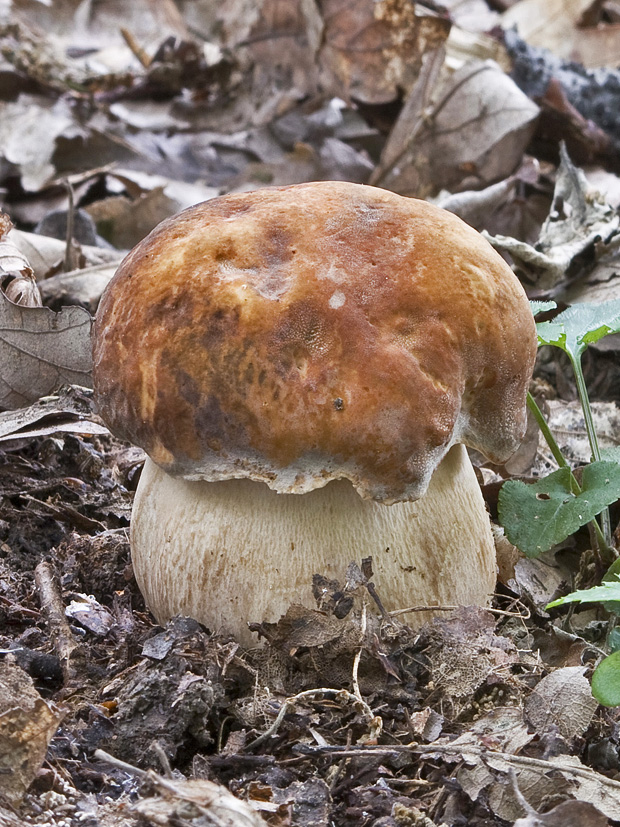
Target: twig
{"type": "Point", "coordinates": [315, 694]}
{"type": "Point", "coordinates": [514, 783]}
{"type": "Point", "coordinates": [53, 609]}
{"type": "Point", "coordinates": [503, 612]}
{"type": "Point", "coordinates": [411, 609]}
{"type": "Point", "coordinates": [358, 655]}
{"type": "Point", "coordinates": [135, 47]}
{"type": "Point", "coordinates": [69, 264]}
{"type": "Point", "coordinates": [462, 750]}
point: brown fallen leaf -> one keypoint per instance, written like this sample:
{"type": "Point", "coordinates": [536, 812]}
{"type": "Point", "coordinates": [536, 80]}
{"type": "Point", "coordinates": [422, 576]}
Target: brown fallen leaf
{"type": "Point", "coordinates": [27, 724]}
{"type": "Point", "coordinates": [41, 350]}
{"type": "Point", "coordinates": [373, 49]}
{"type": "Point", "coordinates": [474, 127]}
{"type": "Point", "coordinates": [562, 700]}
{"type": "Point", "coordinates": [567, 814]}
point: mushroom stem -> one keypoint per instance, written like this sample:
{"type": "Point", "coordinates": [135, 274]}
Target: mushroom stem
{"type": "Point", "coordinates": [232, 552]}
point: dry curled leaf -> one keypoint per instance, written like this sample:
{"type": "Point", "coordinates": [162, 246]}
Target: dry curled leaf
{"type": "Point", "coordinates": [16, 275]}
{"type": "Point", "coordinates": [27, 724]}
{"type": "Point", "coordinates": [41, 350]}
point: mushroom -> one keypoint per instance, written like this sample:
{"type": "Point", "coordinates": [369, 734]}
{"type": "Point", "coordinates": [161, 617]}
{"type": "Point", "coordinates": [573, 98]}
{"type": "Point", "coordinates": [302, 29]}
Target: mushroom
{"type": "Point", "coordinates": [304, 366]}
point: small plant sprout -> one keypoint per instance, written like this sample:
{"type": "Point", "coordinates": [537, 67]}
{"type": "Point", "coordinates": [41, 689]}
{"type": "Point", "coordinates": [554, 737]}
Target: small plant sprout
{"type": "Point", "coordinates": [535, 517]}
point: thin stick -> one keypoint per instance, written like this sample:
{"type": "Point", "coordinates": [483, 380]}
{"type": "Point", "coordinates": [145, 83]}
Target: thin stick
{"type": "Point", "coordinates": [314, 694]}
{"type": "Point", "coordinates": [462, 750]}
{"type": "Point", "coordinates": [53, 609]}
{"type": "Point", "coordinates": [68, 265]}
{"type": "Point", "coordinates": [358, 655]}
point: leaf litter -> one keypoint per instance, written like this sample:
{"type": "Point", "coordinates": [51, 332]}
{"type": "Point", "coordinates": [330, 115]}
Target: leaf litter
{"type": "Point", "coordinates": [114, 120]}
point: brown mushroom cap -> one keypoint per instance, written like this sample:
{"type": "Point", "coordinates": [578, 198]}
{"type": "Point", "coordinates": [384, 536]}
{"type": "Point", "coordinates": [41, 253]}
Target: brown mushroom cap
{"type": "Point", "coordinates": [307, 333]}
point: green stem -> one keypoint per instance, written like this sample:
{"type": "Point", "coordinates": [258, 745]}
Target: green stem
{"type": "Point", "coordinates": [546, 432]}
{"type": "Point", "coordinates": [592, 436]}
{"type": "Point", "coordinates": [604, 544]}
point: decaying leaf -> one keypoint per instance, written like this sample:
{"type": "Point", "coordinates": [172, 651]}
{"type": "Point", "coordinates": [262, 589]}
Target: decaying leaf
{"type": "Point", "coordinates": [27, 724]}
{"type": "Point", "coordinates": [41, 350]}
{"type": "Point", "coordinates": [469, 131]}
{"type": "Point", "coordinates": [456, 675]}
{"type": "Point", "coordinates": [567, 814]}
{"type": "Point", "coordinates": [578, 220]}
{"type": "Point", "coordinates": [45, 254]}
{"type": "Point", "coordinates": [558, 25]}
{"type": "Point", "coordinates": [29, 128]}
{"type": "Point", "coordinates": [562, 700]}
{"type": "Point", "coordinates": [374, 48]}
{"type": "Point", "coordinates": [16, 275]}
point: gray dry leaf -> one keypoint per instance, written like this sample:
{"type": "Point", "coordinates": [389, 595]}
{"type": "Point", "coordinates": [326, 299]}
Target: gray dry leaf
{"type": "Point", "coordinates": [182, 801]}
{"type": "Point", "coordinates": [16, 274]}
{"type": "Point", "coordinates": [578, 220]}
{"type": "Point", "coordinates": [41, 350]}
{"type": "Point", "coordinates": [29, 128]}
{"type": "Point", "coordinates": [538, 582]}
{"type": "Point", "coordinates": [562, 700]}
{"type": "Point", "coordinates": [567, 814]}
{"type": "Point", "coordinates": [46, 254]}
{"type": "Point", "coordinates": [71, 409]}
{"type": "Point", "coordinates": [478, 125]}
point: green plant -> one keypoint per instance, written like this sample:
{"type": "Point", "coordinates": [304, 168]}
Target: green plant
{"type": "Point", "coordinates": [537, 516]}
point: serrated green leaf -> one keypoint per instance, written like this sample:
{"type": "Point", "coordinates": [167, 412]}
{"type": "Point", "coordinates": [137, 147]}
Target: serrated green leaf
{"type": "Point", "coordinates": [538, 515]}
{"type": "Point", "coordinates": [580, 325]}
{"type": "Point", "coordinates": [606, 681]}
{"type": "Point", "coordinates": [541, 307]}
{"type": "Point", "coordinates": [609, 590]}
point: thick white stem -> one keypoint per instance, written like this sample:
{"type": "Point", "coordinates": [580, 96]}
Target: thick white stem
{"type": "Point", "coordinates": [227, 553]}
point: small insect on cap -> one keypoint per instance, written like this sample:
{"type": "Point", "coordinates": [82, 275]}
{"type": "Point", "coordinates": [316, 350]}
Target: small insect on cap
{"type": "Point", "coordinates": [301, 334]}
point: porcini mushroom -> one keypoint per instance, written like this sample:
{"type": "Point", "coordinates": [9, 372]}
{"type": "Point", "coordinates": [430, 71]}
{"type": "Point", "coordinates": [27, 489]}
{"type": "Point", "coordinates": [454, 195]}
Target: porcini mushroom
{"type": "Point", "coordinates": [304, 366]}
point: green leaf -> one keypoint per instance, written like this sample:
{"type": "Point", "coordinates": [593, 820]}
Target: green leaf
{"type": "Point", "coordinates": [610, 590]}
{"type": "Point", "coordinates": [580, 325]}
{"type": "Point", "coordinates": [538, 515]}
{"type": "Point", "coordinates": [606, 681]}
{"type": "Point", "coordinates": [613, 640]}
{"type": "Point", "coordinates": [541, 307]}
{"type": "Point", "coordinates": [611, 454]}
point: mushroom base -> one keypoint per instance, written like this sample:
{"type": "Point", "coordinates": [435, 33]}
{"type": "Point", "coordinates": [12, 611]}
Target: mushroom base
{"type": "Point", "coordinates": [232, 552]}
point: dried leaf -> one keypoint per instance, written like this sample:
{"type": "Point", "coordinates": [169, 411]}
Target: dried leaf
{"type": "Point", "coordinates": [538, 582]}
{"type": "Point", "coordinates": [562, 700]}
{"type": "Point", "coordinates": [182, 800]}
{"type": "Point", "coordinates": [374, 49]}
{"type": "Point", "coordinates": [577, 221]}
{"type": "Point", "coordinates": [89, 613]}
{"type": "Point", "coordinates": [41, 350]}
{"type": "Point", "coordinates": [27, 724]}
{"type": "Point", "coordinates": [477, 127]}
{"type": "Point", "coordinates": [29, 128]}
{"type": "Point", "coordinates": [16, 274]}
{"type": "Point", "coordinates": [554, 25]}
{"type": "Point", "coordinates": [567, 814]}
{"type": "Point", "coordinates": [45, 254]}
